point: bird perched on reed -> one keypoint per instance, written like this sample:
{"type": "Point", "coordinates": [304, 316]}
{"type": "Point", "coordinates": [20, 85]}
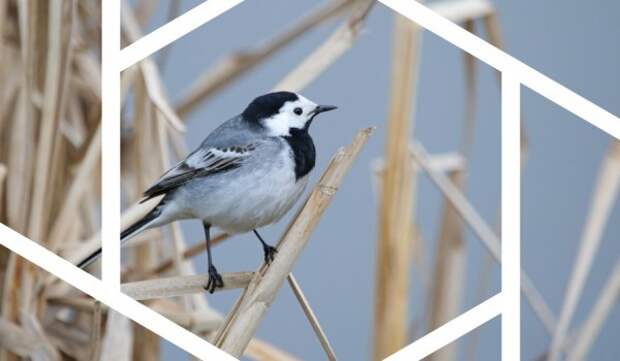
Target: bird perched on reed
{"type": "Point", "coordinates": [245, 175]}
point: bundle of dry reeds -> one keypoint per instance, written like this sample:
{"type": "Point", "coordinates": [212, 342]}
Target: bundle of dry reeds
{"type": "Point", "coordinates": [49, 155]}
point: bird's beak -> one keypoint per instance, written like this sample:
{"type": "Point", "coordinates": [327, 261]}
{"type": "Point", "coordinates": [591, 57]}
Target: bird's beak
{"type": "Point", "coordinates": [323, 108]}
{"type": "Point", "coordinates": [319, 109]}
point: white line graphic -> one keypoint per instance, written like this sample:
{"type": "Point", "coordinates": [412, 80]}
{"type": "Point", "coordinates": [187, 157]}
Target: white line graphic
{"type": "Point", "coordinates": [111, 139]}
{"type": "Point", "coordinates": [451, 331]}
{"type": "Point", "coordinates": [511, 217]}
{"type": "Point", "coordinates": [175, 29]}
{"type": "Point", "coordinates": [115, 60]}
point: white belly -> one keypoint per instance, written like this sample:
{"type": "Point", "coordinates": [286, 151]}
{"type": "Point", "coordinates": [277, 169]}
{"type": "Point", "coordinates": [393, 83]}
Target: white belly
{"type": "Point", "coordinates": [243, 201]}
{"type": "Point", "coordinates": [257, 207]}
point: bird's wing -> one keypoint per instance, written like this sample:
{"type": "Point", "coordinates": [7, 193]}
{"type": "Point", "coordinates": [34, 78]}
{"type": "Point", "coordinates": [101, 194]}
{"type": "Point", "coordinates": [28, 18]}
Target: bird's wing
{"type": "Point", "coordinates": [200, 163]}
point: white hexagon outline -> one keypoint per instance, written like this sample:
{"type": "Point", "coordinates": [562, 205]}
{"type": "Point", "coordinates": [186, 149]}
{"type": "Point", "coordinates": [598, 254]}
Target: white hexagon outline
{"type": "Point", "coordinates": [514, 74]}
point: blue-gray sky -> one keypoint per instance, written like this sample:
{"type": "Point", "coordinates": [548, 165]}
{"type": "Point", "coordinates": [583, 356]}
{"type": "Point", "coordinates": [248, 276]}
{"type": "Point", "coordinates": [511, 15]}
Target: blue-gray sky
{"type": "Point", "coordinates": [572, 41]}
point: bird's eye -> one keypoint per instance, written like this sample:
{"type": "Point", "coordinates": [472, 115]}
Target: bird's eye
{"type": "Point", "coordinates": [298, 111]}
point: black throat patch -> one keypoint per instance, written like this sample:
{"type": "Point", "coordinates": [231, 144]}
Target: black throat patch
{"type": "Point", "coordinates": [304, 153]}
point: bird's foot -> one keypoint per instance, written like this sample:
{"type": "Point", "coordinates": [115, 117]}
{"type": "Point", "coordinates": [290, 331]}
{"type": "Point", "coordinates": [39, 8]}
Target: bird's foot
{"type": "Point", "coordinates": [215, 280]}
{"type": "Point", "coordinates": [269, 252]}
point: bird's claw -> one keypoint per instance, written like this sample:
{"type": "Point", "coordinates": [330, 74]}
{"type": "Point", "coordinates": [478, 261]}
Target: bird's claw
{"type": "Point", "coordinates": [215, 280]}
{"type": "Point", "coordinates": [270, 253]}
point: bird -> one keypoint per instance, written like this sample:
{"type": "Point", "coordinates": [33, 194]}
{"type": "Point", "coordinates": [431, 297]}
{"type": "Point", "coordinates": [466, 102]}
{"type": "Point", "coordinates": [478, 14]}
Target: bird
{"type": "Point", "coordinates": [246, 174]}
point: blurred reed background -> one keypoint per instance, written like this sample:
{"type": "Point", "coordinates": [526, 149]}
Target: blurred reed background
{"type": "Point", "coordinates": [49, 190]}
{"type": "Point", "coordinates": [50, 110]}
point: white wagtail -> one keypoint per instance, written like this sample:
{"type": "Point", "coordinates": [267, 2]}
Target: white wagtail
{"type": "Point", "coordinates": [246, 174]}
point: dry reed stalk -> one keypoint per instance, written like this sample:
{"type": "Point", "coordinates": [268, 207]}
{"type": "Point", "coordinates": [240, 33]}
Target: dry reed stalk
{"type": "Point", "coordinates": [2, 178]}
{"type": "Point", "coordinates": [21, 172]}
{"type": "Point", "coordinates": [420, 263]}
{"type": "Point", "coordinates": [15, 339]}
{"type": "Point", "coordinates": [18, 180]}
{"type": "Point", "coordinates": [197, 322]}
{"type": "Point", "coordinates": [47, 351]}
{"type": "Point", "coordinates": [146, 344]}
{"type": "Point", "coordinates": [232, 67]}
{"type": "Point", "coordinates": [484, 232]}
{"type": "Point", "coordinates": [341, 40]}
{"type": "Point", "coordinates": [243, 320]}
{"type": "Point", "coordinates": [18, 190]}
{"type": "Point", "coordinates": [182, 285]}
{"type": "Point", "coordinates": [144, 10]}
{"type": "Point", "coordinates": [156, 93]}
{"type": "Point", "coordinates": [150, 74]}
{"type": "Point", "coordinates": [74, 302]}
{"type": "Point", "coordinates": [583, 335]}
{"type": "Point", "coordinates": [440, 163]}
{"type": "Point", "coordinates": [95, 338]}
{"type": "Point", "coordinates": [78, 187]}
{"type": "Point", "coordinates": [70, 341]}
{"type": "Point", "coordinates": [58, 174]}
{"type": "Point", "coordinates": [70, 337]}
{"type": "Point", "coordinates": [43, 73]}
{"type": "Point", "coordinates": [118, 339]}
{"type": "Point", "coordinates": [469, 113]}
{"type": "Point", "coordinates": [196, 302]}
{"type": "Point", "coordinates": [3, 20]}
{"type": "Point", "coordinates": [314, 322]}
{"type": "Point", "coordinates": [450, 257]}
{"type": "Point", "coordinates": [50, 101]}
{"type": "Point", "coordinates": [590, 328]}
{"type": "Point", "coordinates": [260, 350]}
{"type": "Point", "coordinates": [192, 251]}
{"type": "Point", "coordinates": [396, 198]}
{"type": "Point", "coordinates": [448, 276]}
{"type": "Point", "coordinates": [200, 322]}
{"type": "Point", "coordinates": [482, 287]}
{"type": "Point", "coordinates": [492, 28]}
{"type": "Point", "coordinates": [605, 193]}
{"type": "Point", "coordinates": [54, 74]}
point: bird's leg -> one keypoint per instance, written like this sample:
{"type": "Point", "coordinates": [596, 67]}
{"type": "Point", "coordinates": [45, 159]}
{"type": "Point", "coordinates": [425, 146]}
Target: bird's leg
{"type": "Point", "coordinates": [269, 251]}
{"type": "Point", "coordinates": [215, 279]}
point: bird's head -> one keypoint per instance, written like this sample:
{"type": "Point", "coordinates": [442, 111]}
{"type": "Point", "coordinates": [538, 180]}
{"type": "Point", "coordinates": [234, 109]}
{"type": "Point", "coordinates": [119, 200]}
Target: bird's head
{"type": "Point", "coordinates": [280, 112]}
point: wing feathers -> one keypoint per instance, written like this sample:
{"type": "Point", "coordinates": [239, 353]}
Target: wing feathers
{"type": "Point", "coordinates": [201, 163]}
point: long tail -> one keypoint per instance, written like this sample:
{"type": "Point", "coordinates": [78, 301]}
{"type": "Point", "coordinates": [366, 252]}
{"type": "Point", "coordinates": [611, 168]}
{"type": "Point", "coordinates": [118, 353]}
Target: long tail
{"type": "Point", "coordinates": [131, 231]}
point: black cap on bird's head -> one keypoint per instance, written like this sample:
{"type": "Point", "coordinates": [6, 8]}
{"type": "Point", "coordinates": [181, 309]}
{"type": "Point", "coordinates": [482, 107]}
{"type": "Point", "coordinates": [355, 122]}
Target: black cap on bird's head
{"type": "Point", "coordinates": [279, 112]}
{"type": "Point", "coordinates": [268, 104]}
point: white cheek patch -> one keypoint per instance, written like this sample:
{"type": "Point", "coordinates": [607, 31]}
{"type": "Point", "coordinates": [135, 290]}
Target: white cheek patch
{"type": "Point", "coordinates": [279, 124]}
